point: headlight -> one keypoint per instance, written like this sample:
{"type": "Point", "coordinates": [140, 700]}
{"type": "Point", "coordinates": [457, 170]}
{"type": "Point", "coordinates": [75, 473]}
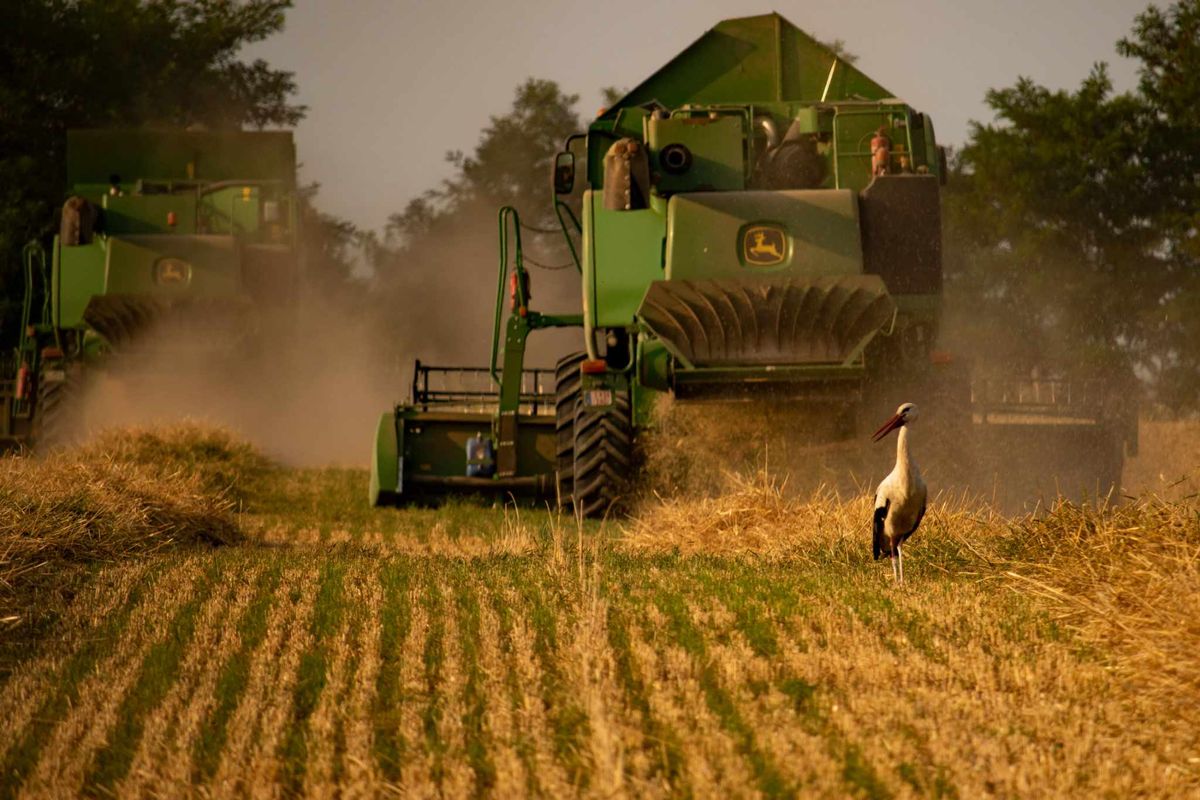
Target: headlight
{"type": "Point", "coordinates": [675, 159]}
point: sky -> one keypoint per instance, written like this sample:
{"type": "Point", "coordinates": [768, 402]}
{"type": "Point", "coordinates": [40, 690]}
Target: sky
{"type": "Point", "coordinates": [392, 85]}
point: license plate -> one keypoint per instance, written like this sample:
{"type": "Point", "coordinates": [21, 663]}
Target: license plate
{"type": "Point", "coordinates": [597, 397]}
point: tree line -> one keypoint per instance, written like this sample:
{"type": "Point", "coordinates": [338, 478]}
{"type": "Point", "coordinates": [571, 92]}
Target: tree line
{"type": "Point", "coordinates": [1071, 219]}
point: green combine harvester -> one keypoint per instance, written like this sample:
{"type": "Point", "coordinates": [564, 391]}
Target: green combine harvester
{"type": "Point", "coordinates": [757, 218]}
{"type": "Point", "coordinates": [165, 233]}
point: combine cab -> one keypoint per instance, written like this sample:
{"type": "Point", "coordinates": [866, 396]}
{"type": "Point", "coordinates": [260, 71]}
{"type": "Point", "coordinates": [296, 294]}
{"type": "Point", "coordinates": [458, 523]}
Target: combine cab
{"type": "Point", "coordinates": [756, 218]}
{"type": "Point", "coordinates": [183, 234]}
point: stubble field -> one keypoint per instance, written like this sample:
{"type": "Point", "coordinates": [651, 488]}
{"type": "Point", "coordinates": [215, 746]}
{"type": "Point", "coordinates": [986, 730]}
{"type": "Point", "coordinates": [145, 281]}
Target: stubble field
{"type": "Point", "coordinates": [279, 639]}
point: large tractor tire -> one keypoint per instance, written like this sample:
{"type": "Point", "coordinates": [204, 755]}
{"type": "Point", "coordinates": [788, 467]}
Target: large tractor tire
{"type": "Point", "coordinates": [56, 414]}
{"type": "Point", "coordinates": [603, 456]}
{"type": "Point", "coordinates": [566, 398]}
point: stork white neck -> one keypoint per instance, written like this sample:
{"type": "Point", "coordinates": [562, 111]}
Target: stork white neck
{"type": "Point", "coordinates": [904, 462]}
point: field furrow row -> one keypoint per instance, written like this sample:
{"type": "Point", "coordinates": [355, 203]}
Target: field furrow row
{"type": "Point", "coordinates": [362, 674]}
{"type": "Point", "coordinates": [104, 599]}
{"type": "Point", "coordinates": [67, 752]}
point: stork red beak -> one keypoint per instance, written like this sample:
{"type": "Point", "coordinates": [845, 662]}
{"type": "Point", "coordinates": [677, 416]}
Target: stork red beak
{"type": "Point", "coordinates": [895, 422]}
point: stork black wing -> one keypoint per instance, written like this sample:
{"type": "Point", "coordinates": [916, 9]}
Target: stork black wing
{"type": "Point", "coordinates": [880, 542]}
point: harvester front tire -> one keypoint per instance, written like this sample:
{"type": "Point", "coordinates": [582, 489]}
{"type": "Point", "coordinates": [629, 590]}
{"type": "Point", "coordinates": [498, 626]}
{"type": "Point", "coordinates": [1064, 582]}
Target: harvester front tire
{"type": "Point", "coordinates": [566, 398]}
{"type": "Point", "coordinates": [603, 457]}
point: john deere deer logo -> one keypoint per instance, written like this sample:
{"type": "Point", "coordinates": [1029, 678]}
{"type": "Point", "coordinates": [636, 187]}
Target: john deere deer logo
{"type": "Point", "coordinates": [172, 272]}
{"type": "Point", "coordinates": [764, 246]}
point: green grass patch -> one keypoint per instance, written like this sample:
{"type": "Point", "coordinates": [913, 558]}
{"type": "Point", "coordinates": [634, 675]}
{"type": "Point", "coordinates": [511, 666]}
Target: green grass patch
{"type": "Point", "coordinates": [434, 659]}
{"type": "Point", "coordinates": [771, 781]}
{"type": "Point", "coordinates": [860, 775]}
{"type": "Point", "coordinates": [23, 756]}
{"type": "Point", "coordinates": [761, 598]}
{"type": "Point", "coordinates": [312, 674]}
{"type": "Point", "coordinates": [234, 675]}
{"type": "Point", "coordinates": [395, 621]}
{"type": "Point", "coordinates": [524, 744]}
{"type": "Point", "coordinates": [470, 635]}
{"type": "Point", "coordinates": [664, 751]}
{"type": "Point", "coordinates": [158, 672]}
{"type": "Point", "coordinates": [569, 726]}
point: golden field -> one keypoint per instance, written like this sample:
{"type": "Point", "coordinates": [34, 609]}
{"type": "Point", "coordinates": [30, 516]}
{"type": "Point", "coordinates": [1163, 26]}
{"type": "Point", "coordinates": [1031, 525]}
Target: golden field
{"type": "Point", "coordinates": [183, 618]}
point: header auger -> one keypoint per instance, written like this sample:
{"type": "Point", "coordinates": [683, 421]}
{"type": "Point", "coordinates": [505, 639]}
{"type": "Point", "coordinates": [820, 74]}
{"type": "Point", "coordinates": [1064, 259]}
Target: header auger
{"type": "Point", "coordinates": [758, 216]}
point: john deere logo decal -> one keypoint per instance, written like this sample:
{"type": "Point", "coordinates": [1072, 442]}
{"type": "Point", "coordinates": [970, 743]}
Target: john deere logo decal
{"type": "Point", "coordinates": [172, 272]}
{"type": "Point", "coordinates": [764, 246]}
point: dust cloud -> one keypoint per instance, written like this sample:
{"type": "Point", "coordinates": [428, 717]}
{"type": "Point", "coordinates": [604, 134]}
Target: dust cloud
{"type": "Point", "coordinates": [705, 449]}
{"type": "Point", "coordinates": [306, 385]}
{"type": "Point", "coordinates": [435, 299]}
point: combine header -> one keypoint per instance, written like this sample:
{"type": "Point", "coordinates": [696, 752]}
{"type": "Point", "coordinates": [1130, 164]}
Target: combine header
{"type": "Point", "coordinates": [192, 230]}
{"type": "Point", "coordinates": [757, 217]}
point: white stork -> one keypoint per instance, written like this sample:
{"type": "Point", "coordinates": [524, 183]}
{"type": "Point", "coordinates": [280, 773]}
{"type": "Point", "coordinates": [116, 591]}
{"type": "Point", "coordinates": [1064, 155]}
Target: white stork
{"type": "Point", "coordinates": [900, 498]}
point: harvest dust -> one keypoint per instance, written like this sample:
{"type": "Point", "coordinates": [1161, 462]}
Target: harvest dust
{"type": "Point", "coordinates": [711, 449]}
{"type": "Point", "coordinates": [306, 388]}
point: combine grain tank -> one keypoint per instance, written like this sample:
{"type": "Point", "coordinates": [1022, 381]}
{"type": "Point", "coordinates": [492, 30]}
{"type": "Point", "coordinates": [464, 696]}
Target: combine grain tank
{"type": "Point", "coordinates": [757, 217]}
{"type": "Point", "coordinates": [180, 232]}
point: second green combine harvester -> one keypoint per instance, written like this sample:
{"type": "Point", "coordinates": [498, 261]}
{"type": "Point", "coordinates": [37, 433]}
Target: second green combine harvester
{"type": "Point", "coordinates": [169, 238]}
{"type": "Point", "coordinates": [758, 216]}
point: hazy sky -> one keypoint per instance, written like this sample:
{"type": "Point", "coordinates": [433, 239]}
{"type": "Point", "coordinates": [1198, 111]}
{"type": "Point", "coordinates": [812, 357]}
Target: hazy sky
{"type": "Point", "coordinates": [391, 85]}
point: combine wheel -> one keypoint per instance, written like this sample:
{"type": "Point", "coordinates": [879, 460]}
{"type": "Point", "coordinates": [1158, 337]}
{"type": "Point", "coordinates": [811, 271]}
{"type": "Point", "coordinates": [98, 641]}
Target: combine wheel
{"type": "Point", "coordinates": [566, 397]}
{"type": "Point", "coordinates": [57, 409]}
{"type": "Point", "coordinates": [603, 456]}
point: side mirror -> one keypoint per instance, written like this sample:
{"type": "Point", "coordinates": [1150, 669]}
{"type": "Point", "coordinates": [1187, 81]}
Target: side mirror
{"type": "Point", "coordinates": [564, 173]}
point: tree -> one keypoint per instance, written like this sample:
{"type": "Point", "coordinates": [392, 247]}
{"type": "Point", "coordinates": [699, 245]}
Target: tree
{"type": "Point", "coordinates": [510, 165]}
{"type": "Point", "coordinates": [437, 258]}
{"type": "Point", "coordinates": [330, 249]}
{"type": "Point", "coordinates": [838, 46]}
{"type": "Point", "coordinates": [102, 63]}
{"type": "Point", "coordinates": [1168, 45]}
{"type": "Point", "coordinates": [1070, 221]}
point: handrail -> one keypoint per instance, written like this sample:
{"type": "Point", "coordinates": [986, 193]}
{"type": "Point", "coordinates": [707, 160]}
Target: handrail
{"type": "Point", "coordinates": [27, 307]}
{"type": "Point", "coordinates": [559, 208]}
{"type": "Point", "coordinates": [506, 214]}
{"type": "Point", "coordinates": [33, 254]}
{"type": "Point", "coordinates": [431, 386]}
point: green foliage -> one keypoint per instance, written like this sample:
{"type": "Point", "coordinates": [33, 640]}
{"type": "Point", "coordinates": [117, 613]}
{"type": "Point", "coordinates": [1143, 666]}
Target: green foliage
{"type": "Point", "coordinates": [510, 166]}
{"type": "Point", "coordinates": [1071, 222]}
{"type": "Point", "coordinates": [611, 95]}
{"type": "Point", "coordinates": [330, 247]}
{"type": "Point", "coordinates": [838, 46]}
{"type": "Point", "coordinates": [104, 63]}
